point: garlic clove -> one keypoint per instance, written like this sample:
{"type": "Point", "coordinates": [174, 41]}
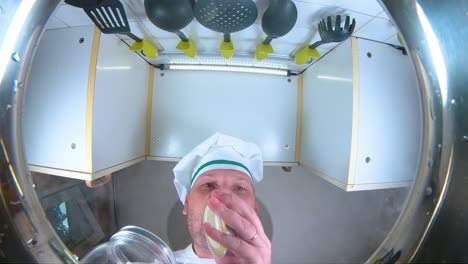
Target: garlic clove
{"type": "Point", "coordinates": [215, 221]}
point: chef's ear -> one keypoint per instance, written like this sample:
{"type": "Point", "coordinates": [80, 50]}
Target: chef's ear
{"type": "Point", "coordinates": [184, 211]}
{"type": "Point", "coordinates": [256, 207]}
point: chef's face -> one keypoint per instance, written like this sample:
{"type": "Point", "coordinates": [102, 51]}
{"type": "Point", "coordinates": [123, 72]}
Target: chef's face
{"type": "Point", "coordinates": [222, 180]}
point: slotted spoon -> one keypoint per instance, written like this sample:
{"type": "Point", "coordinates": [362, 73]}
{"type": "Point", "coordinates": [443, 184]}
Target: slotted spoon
{"type": "Point", "coordinates": [226, 16]}
{"type": "Point", "coordinates": [328, 34]}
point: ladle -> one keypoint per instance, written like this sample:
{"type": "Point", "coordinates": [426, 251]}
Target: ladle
{"type": "Point", "coordinates": [277, 21]}
{"type": "Point", "coordinates": [173, 16]}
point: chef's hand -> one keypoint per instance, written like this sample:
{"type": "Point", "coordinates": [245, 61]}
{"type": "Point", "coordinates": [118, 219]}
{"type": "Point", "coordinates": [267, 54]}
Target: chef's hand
{"type": "Point", "coordinates": [251, 245]}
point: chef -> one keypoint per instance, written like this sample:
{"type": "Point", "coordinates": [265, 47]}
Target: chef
{"type": "Point", "coordinates": [220, 174]}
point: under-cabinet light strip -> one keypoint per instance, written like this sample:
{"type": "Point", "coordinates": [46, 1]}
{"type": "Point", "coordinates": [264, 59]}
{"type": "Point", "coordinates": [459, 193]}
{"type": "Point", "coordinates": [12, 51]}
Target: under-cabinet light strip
{"type": "Point", "coordinates": [241, 63]}
{"type": "Point", "coordinates": [228, 69]}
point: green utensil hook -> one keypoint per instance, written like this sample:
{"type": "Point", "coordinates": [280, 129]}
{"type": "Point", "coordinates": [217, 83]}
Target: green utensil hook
{"type": "Point", "coordinates": [328, 34]}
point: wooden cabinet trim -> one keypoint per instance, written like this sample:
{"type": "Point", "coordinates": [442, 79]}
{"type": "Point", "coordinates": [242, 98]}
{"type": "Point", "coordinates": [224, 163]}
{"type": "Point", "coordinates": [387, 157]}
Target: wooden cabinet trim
{"type": "Point", "coordinates": [90, 99]}
{"type": "Point", "coordinates": [297, 154]}
{"type": "Point", "coordinates": [149, 104]}
{"type": "Point", "coordinates": [355, 114]}
{"type": "Point", "coordinates": [84, 175]}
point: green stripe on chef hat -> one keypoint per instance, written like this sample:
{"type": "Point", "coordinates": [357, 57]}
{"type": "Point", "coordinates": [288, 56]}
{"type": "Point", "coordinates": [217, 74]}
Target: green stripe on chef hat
{"type": "Point", "coordinates": [217, 152]}
{"type": "Point", "coordinates": [219, 162]}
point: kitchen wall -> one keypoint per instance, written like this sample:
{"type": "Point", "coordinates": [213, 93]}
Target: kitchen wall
{"type": "Point", "coordinates": [308, 219]}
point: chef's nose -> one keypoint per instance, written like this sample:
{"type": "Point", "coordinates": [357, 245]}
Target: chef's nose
{"type": "Point", "coordinates": [223, 190]}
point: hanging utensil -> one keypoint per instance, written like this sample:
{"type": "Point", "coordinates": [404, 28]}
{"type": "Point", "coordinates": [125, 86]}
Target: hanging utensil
{"type": "Point", "coordinates": [277, 21]}
{"type": "Point", "coordinates": [173, 16]}
{"type": "Point", "coordinates": [83, 3]}
{"type": "Point", "coordinates": [328, 34]}
{"type": "Point", "coordinates": [226, 16]}
{"type": "Point", "coordinates": [110, 18]}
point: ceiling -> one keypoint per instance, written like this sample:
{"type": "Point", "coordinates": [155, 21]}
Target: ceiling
{"type": "Point", "coordinates": [371, 23]}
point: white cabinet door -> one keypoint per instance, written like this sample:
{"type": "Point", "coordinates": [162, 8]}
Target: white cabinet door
{"type": "Point", "coordinates": [86, 104]}
{"type": "Point", "coordinates": [189, 106]}
{"type": "Point", "coordinates": [327, 116]}
{"type": "Point", "coordinates": [120, 105]}
{"type": "Point", "coordinates": [390, 116]}
{"type": "Point", "coordinates": [54, 121]}
{"type": "Point", "coordinates": [362, 117]}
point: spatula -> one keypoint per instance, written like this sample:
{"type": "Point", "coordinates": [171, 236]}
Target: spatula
{"type": "Point", "coordinates": [110, 18]}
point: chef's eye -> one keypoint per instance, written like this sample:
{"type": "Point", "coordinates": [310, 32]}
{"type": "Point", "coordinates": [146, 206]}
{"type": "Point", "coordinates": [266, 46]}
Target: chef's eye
{"type": "Point", "coordinates": [208, 185]}
{"type": "Point", "coordinates": [240, 189]}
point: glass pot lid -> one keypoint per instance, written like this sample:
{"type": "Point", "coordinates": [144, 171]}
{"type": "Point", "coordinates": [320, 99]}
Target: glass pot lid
{"type": "Point", "coordinates": [131, 244]}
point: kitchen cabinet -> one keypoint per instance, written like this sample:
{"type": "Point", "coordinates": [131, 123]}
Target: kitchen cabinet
{"type": "Point", "coordinates": [189, 106]}
{"type": "Point", "coordinates": [361, 117]}
{"type": "Point", "coordinates": [92, 108]}
{"type": "Point", "coordinates": [85, 108]}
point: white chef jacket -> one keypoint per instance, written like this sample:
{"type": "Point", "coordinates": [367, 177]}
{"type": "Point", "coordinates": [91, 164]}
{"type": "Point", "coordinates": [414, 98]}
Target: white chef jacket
{"type": "Point", "coordinates": [188, 256]}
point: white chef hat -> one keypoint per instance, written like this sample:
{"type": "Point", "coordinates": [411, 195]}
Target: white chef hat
{"type": "Point", "coordinates": [218, 152]}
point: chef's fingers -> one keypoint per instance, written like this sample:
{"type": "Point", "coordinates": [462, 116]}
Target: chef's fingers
{"type": "Point", "coordinates": [241, 226]}
{"type": "Point", "coordinates": [229, 260]}
{"type": "Point", "coordinates": [241, 249]}
{"type": "Point", "coordinates": [241, 207]}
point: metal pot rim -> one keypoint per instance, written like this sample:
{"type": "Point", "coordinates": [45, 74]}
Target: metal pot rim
{"type": "Point", "coordinates": [428, 191]}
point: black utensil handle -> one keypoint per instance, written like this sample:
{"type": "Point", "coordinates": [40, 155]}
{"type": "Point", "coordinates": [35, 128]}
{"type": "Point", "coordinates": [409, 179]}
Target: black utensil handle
{"type": "Point", "coordinates": [135, 38]}
{"type": "Point", "coordinates": [227, 37]}
{"type": "Point", "coordinates": [267, 40]}
{"type": "Point", "coordinates": [182, 36]}
{"type": "Point", "coordinates": [83, 4]}
{"type": "Point", "coordinates": [316, 44]}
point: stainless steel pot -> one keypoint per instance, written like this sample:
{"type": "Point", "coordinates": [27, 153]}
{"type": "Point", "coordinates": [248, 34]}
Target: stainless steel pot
{"type": "Point", "coordinates": [434, 34]}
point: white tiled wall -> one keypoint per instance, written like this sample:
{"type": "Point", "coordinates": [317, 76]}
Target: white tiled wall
{"type": "Point", "coordinates": [72, 16]}
{"type": "Point", "coordinates": [55, 23]}
{"type": "Point", "coordinates": [371, 8]}
{"type": "Point", "coordinates": [378, 29]}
